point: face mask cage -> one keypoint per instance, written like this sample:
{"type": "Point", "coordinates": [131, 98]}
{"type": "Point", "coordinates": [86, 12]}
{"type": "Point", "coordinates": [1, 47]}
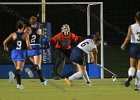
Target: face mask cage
{"type": "Point", "coordinates": [65, 29]}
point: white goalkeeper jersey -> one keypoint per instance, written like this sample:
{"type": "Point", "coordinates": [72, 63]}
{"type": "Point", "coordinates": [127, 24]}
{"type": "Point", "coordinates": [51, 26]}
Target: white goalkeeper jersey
{"type": "Point", "coordinates": [135, 36]}
{"type": "Point", "coordinates": [87, 45]}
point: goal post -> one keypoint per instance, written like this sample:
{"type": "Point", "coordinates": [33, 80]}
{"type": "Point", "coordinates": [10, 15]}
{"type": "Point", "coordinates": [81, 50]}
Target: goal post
{"type": "Point", "coordinates": [101, 31]}
{"type": "Point", "coordinates": [44, 4]}
{"type": "Point", "coordinates": [43, 11]}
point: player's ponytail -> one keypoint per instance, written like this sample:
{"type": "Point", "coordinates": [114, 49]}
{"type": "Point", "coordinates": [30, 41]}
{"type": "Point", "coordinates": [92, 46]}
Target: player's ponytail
{"type": "Point", "coordinates": [20, 24]}
{"type": "Point", "coordinates": [97, 37]}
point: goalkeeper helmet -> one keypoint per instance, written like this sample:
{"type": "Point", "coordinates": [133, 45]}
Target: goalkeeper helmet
{"type": "Point", "coordinates": [65, 29]}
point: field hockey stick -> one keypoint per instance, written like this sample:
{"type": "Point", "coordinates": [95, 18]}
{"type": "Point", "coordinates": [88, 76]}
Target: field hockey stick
{"type": "Point", "coordinates": [114, 75]}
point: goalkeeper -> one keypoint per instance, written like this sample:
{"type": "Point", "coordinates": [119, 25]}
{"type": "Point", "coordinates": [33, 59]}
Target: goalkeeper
{"type": "Point", "coordinates": [62, 42]}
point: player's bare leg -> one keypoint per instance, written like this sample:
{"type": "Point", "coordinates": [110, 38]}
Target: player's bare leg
{"type": "Point", "coordinates": [19, 66]}
{"type": "Point", "coordinates": [37, 67]}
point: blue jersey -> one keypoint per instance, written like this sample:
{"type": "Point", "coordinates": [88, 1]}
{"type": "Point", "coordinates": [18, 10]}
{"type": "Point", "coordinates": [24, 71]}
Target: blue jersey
{"type": "Point", "coordinates": [18, 52]}
{"type": "Point", "coordinates": [34, 37]}
{"type": "Point", "coordinates": [19, 43]}
{"type": "Point", "coordinates": [35, 43]}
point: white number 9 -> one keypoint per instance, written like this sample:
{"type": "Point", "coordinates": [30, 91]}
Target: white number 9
{"type": "Point", "coordinates": [19, 43]}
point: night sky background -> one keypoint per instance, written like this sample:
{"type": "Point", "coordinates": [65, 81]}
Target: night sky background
{"type": "Point", "coordinates": [118, 15]}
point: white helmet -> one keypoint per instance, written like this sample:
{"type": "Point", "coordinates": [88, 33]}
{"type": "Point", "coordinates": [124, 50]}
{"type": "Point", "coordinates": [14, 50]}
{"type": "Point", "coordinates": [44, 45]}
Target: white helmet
{"type": "Point", "coordinates": [65, 29]}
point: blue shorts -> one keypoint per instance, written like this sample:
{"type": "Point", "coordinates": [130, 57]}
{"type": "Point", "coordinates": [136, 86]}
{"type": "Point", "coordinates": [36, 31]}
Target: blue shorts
{"type": "Point", "coordinates": [18, 55]}
{"type": "Point", "coordinates": [135, 50]}
{"type": "Point", "coordinates": [78, 56]}
{"type": "Point", "coordinates": [35, 52]}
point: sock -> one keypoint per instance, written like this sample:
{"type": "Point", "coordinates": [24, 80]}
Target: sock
{"type": "Point", "coordinates": [86, 78]}
{"type": "Point", "coordinates": [18, 77]}
{"type": "Point", "coordinates": [34, 68]}
{"type": "Point", "coordinates": [40, 75]}
{"type": "Point", "coordinates": [75, 76]}
{"type": "Point", "coordinates": [137, 79]}
{"type": "Point", "coordinates": [131, 71]}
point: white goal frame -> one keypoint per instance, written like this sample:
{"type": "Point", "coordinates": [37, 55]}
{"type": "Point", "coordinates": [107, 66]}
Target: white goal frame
{"type": "Point", "coordinates": [44, 3]}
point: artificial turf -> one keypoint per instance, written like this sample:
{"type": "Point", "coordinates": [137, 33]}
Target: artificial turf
{"type": "Point", "coordinates": [101, 89]}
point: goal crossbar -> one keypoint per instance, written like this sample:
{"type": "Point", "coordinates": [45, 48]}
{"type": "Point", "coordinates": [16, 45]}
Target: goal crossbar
{"type": "Point", "coordinates": [40, 3]}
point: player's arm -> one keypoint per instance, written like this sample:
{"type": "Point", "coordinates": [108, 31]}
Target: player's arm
{"type": "Point", "coordinates": [77, 39]}
{"type": "Point", "coordinates": [127, 39]}
{"type": "Point", "coordinates": [93, 55]}
{"type": "Point", "coordinates": [40, 32]}
{"type": "Point", "coordinates": [27, 32]}
{"type": "Point", "coordinates": [53, 40]}
{"type": "Point", "coordinates": [10, 37]}
{"type": "Point", "coordinates": [27, 42]}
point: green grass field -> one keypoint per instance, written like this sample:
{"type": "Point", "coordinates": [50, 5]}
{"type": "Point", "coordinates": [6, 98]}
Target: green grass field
{"type": "Point", "coordinates": [101, 89]}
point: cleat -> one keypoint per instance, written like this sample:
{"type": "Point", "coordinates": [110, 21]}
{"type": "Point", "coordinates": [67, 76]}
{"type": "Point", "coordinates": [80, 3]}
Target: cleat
{"type": "Point", "coordinates": [89, 84]}
{"type": "Point", "coordinates": [136, 88]}
{"type": "Point", "coordinates": [20, 86]}
{"type": "Point", "coordinates": [45, 82]}
{"type": "Point", "coordinates": [127, 83]}
{"type": "Point", "coordinates": [11, 77]}
{"type": "Point", "coordinates": [29, 72]}
{"type": "Point", "coordinates": [68, 82]}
